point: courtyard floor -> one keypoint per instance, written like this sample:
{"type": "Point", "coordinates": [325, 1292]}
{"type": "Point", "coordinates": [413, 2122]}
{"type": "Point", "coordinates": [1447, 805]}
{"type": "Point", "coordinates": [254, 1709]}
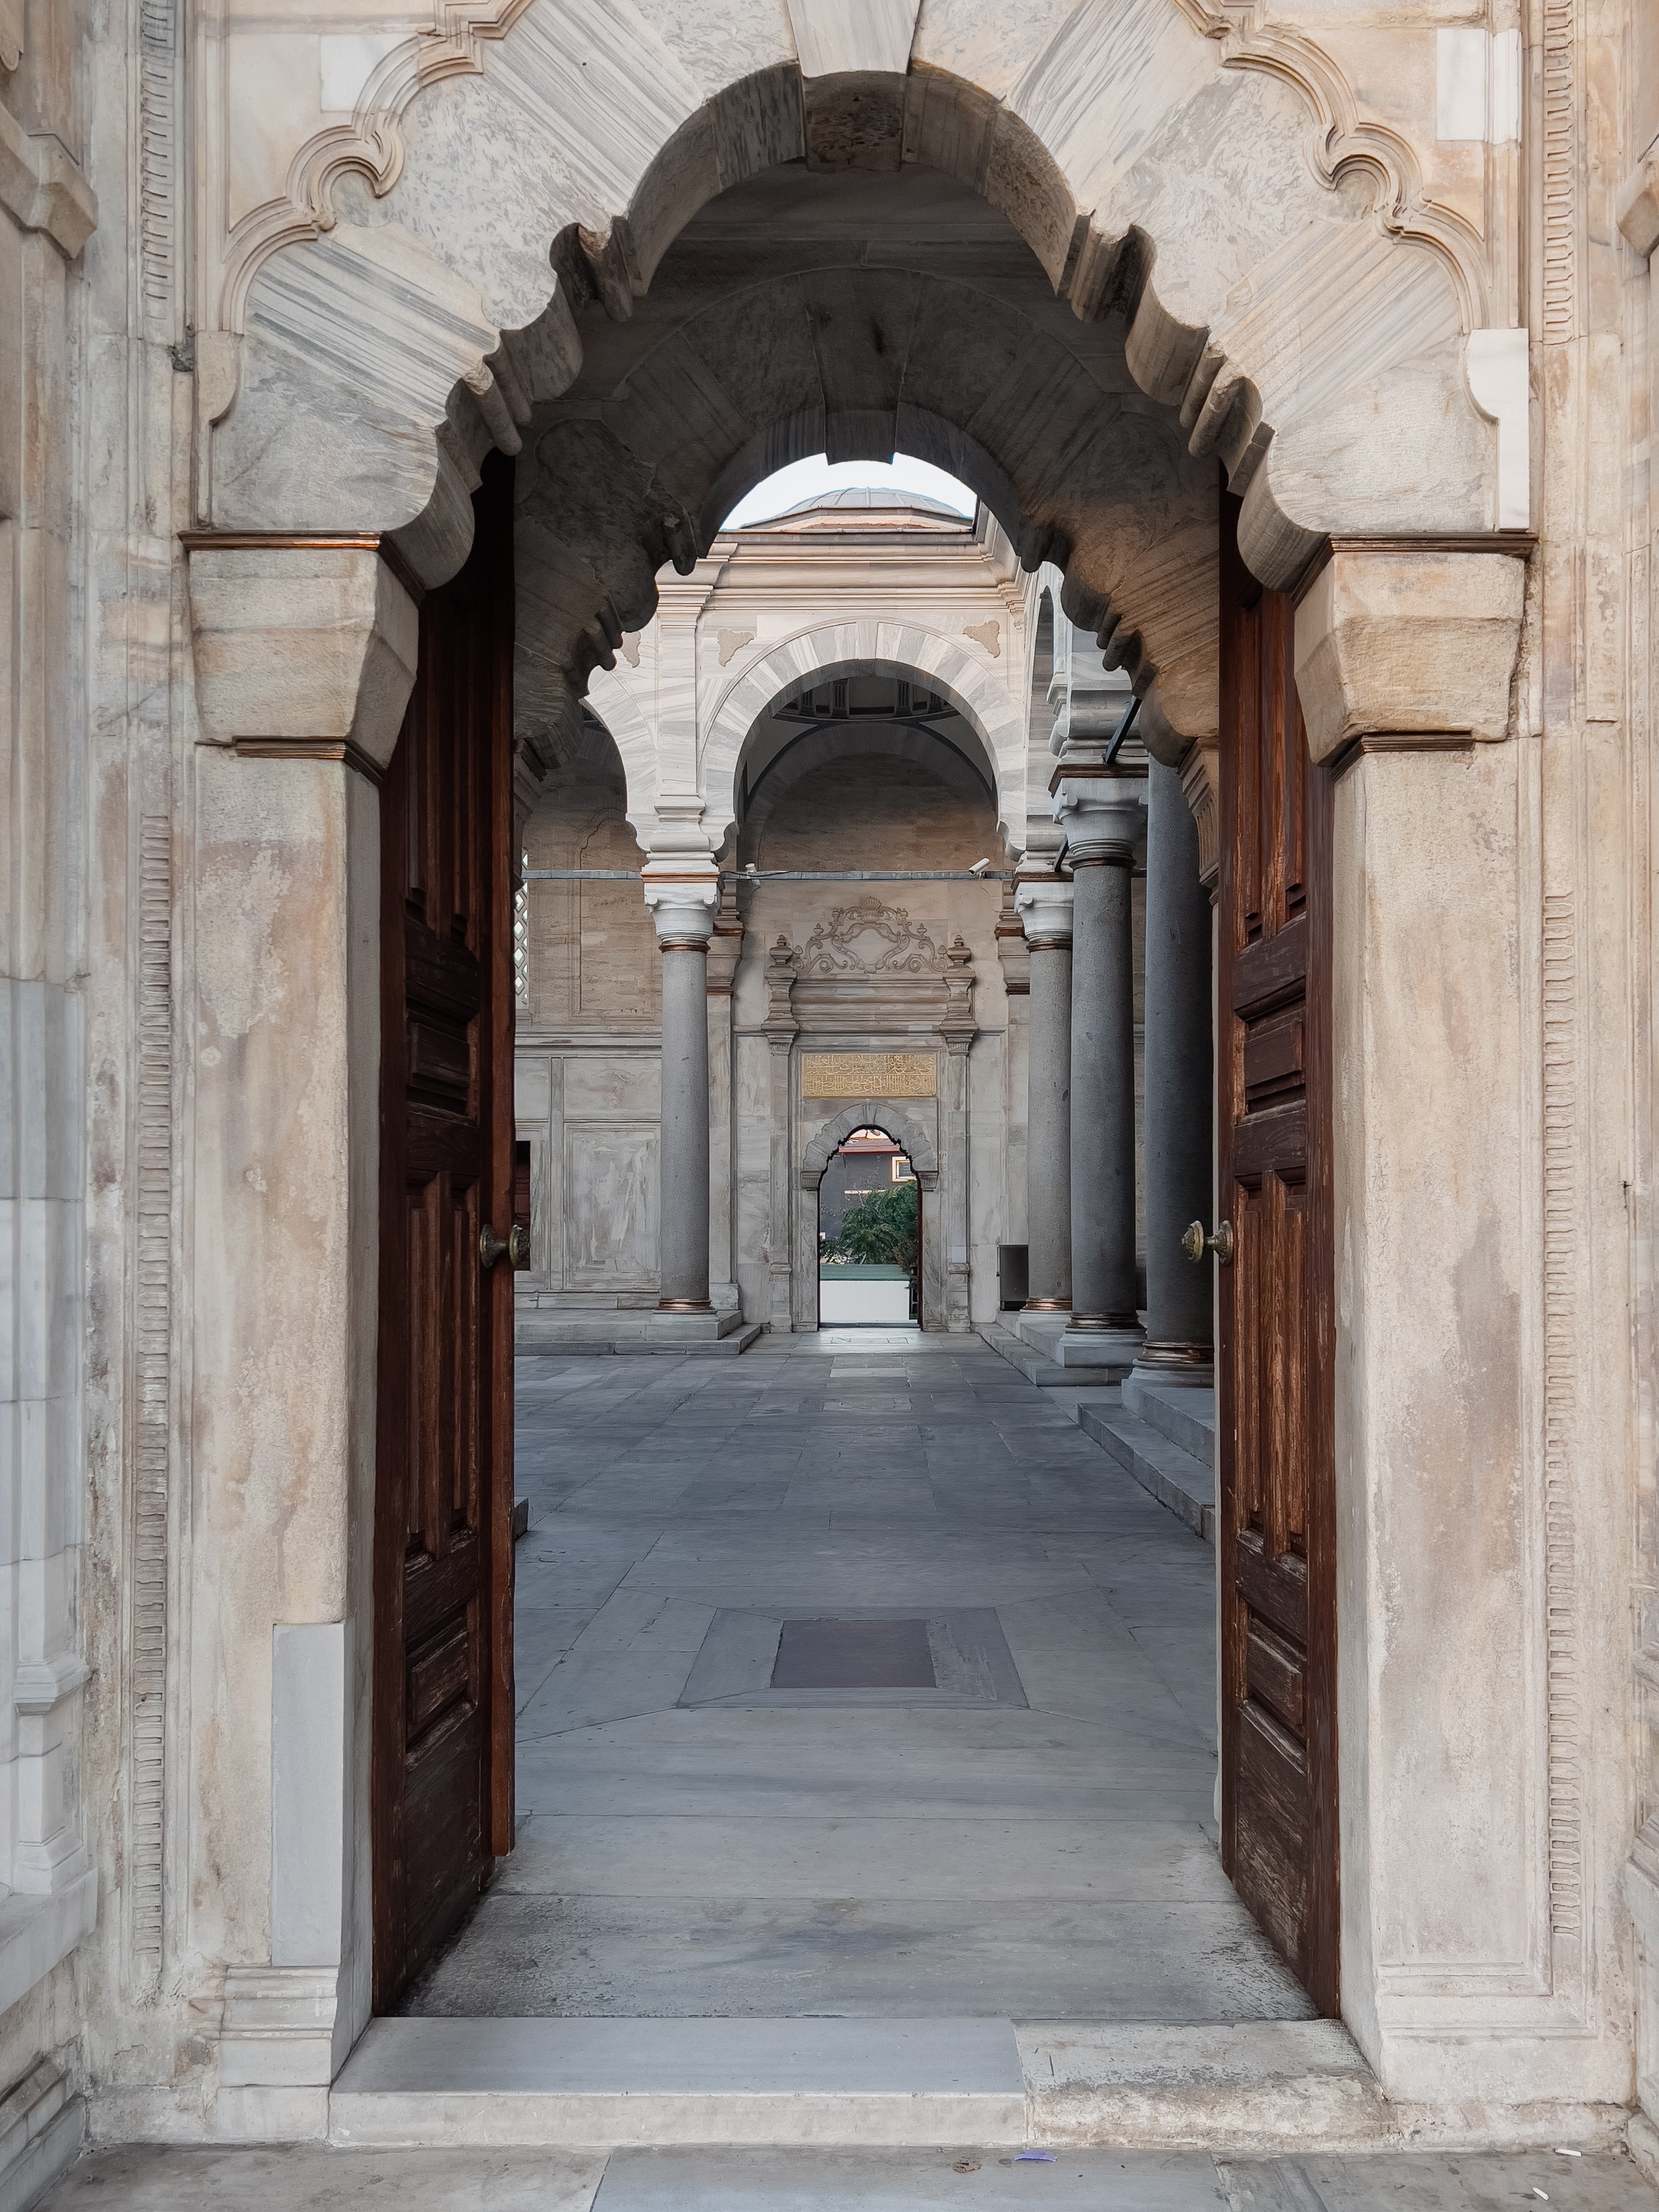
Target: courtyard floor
{"type": "Point", "coordinates": [852, 1680]}
{"type": "Point", "coordinates": [726, 2180]}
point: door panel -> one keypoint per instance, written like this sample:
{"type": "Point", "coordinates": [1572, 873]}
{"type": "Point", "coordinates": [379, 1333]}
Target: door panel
{"type": "Point", "coordinates": [1275, 1436]}
{"type": "Point", "coordinates": [443, 1771]}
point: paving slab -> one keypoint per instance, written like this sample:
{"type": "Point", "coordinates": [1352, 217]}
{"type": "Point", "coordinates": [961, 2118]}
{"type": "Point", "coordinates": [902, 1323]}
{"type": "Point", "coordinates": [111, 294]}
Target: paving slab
{"type": "Point", "coordinates": [752, 1850]}
{"type": "Point", "coordinates": [979, 2177]}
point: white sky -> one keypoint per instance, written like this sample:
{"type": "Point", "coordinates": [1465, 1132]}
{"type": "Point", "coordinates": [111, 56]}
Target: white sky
{"type": "Point", "coordinates": [805, 479]}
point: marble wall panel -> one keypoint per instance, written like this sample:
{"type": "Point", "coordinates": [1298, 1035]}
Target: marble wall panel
{"type": "Point", "coordinates": [610, 1204]}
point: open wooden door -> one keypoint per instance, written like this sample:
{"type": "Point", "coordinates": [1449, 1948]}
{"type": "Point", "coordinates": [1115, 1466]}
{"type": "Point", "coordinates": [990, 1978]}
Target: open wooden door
{"type": "Point", "coordinates": [1275, 1426]}
{"type": "Point", "coordinates": [442, 1755]}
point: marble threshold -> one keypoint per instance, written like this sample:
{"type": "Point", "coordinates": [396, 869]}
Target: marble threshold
{"type": "Point", "coordinates": [613, 2084]}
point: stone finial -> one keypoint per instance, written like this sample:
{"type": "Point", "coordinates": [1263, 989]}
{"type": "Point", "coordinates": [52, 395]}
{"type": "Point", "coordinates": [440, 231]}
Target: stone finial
{"type": "Point", "coordinates": [780, 1025]}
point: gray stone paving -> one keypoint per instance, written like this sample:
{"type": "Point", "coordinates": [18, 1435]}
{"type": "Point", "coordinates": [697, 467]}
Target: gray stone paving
{"type": "Point", "coordinates": [876, 1852]}
{"type": "Point", "coordinates": [720, 2180]}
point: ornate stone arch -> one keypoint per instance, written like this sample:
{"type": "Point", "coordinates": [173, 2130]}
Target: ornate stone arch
{"type": "Point", "coordinates": [624, 717]}
{"type": "Point", "coordinates": [359, 359]}
{"type": "Point", "coordinates": [847, 647]}
{"type": "Point", "coordinates": [870, 1113]}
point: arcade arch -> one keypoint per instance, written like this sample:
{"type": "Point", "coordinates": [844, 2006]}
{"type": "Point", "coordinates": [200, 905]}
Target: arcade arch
{"type": "Point", "coordinates": [1126, 353]}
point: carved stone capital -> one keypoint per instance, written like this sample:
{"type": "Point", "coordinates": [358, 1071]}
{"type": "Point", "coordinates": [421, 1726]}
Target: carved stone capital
{"type": "Point", "coordinates": [1637, 207]}
{"type": "Point", "coordinates": [1103, 815]}
{"type": "Point", "coordinates": [1043, 904]}
{"type": "Point", "coordinates": [41, 184]}
{"type": "Point", "coordinates": [302, 643]}
{"type": "Point", "coordinates": [1200, 784]}
{"type": "Point", "coordinates": [1407, 640]}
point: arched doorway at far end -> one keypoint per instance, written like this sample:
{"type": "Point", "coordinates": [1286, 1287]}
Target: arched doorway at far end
{"type": "Point", "coordinates": [869, 1234]}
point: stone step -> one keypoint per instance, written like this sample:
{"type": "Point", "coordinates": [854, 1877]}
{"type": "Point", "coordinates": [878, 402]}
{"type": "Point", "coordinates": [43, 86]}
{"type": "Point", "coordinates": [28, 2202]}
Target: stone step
{"type": "Point", "coordinates": [1183, 1412]}
{"type": "Point", "coordinates": [1174, 1477]}
{"type": "Point", "coordinates": [604, 2084]}
{"type": "Point", "coordinates": [607, 2083]}
{"type": "Point", "coordinates": [1036, 1366]}
{"type": "Point", "coordinates": [544, 1337]}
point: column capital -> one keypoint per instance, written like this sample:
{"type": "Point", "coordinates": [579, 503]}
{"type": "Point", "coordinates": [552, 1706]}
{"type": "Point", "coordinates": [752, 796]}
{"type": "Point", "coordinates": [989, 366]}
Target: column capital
{"type": "Point", "coordinates": [301, 644]}
{"type": "Point", "coordinates": [1409, 643]}
{"type": "Point", "coordinates": [1103, 814]}
{"type": "Point", "coordinates": [682, 900]}
{"type": "Point", "coordinates": [1043, 904]}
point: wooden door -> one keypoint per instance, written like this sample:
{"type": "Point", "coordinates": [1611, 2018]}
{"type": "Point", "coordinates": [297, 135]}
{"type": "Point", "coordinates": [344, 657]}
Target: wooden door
{"type": "Point", "coordinates": [442, 1757]}
{"type": "Point", "coordinates": [1274, 1430]}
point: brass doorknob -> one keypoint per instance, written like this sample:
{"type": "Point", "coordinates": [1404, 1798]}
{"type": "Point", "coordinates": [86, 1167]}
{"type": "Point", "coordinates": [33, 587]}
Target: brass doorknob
{"type": "Point", "coordinates": [1195, 1244]}
{"type": "Point", "coordinates": [515, 1247]}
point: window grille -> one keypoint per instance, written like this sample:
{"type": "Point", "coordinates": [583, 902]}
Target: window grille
{"type": "Point", "coordinates": [521, 937]}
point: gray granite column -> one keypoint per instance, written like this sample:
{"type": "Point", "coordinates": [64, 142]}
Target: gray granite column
{"type": "Point", "coordinates": [683, 934]}
{"type": "Point", "coordinates": [1180, 1087]}
{"type": "Point", "coordinates": [1044, 905]}
{"type": "Point", "coordinates": [1103, 811]}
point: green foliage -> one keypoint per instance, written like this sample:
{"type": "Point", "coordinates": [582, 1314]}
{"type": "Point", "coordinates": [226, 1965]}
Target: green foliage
{"type": "Point", "coordinates": [882, 1230]}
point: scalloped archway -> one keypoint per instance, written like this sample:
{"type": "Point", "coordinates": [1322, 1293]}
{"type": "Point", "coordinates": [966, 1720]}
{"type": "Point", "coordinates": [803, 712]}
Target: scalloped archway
{"type": "Point", "coordinates": [884, 1113]}
{"type": "Point", "coordinates": [863, 646]}
{"type": "Point", "coordinates": [378, 325]}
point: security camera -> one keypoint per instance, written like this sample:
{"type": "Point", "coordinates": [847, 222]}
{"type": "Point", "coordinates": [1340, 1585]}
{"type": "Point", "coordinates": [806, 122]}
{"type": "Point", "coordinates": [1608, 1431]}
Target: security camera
{"type": "Point", "coordinates": [979, 867]}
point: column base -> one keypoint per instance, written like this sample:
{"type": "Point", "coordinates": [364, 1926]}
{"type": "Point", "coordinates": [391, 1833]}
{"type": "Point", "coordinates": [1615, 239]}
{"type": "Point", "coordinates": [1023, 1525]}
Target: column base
{"type": "Point", "coordinates": [1167, 1360]}
{"type": "Point", "coordinates": [1047, 1306]}
{"type": "Point", "coordinates": [1103, 1344]}
{"type": "Point", "coordinates": [684, 1323]}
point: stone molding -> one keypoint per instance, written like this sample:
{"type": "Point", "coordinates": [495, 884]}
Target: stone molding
{"type": "Point", "coordinates": [302, 642]}
{"type": "Point", "coordinates": [1410, 640]}
{"type": "Point", "coordinates": [44, 187]}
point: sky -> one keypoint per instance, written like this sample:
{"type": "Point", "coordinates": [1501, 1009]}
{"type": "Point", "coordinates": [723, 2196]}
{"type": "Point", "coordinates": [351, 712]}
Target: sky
{"type": "Point", "coordinates": [806, 479]}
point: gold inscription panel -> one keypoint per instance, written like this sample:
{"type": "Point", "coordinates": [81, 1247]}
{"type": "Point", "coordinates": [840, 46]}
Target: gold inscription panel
{"type": "Point", "coordinates": [868, 1075]}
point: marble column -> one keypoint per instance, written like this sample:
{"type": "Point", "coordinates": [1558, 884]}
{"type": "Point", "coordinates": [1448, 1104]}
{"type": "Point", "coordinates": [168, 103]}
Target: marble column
{"type": "Point", "coordinates": [1103, 811]}
{"type": "Point", "coordinates": [1044, 905]}
{"type": "Point", "coordinates": [1179, 1088]}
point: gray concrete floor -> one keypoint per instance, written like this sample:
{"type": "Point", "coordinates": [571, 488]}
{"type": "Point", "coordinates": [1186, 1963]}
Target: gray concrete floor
{"type": "Point", "coordinates": [307, 2180]}
{"type": "Point", "coordinates": [1033, 1840]}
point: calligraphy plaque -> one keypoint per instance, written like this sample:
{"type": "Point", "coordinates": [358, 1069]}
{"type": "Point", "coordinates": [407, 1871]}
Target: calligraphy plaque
{"type": "Point", "coordinates": [869, 1075]}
